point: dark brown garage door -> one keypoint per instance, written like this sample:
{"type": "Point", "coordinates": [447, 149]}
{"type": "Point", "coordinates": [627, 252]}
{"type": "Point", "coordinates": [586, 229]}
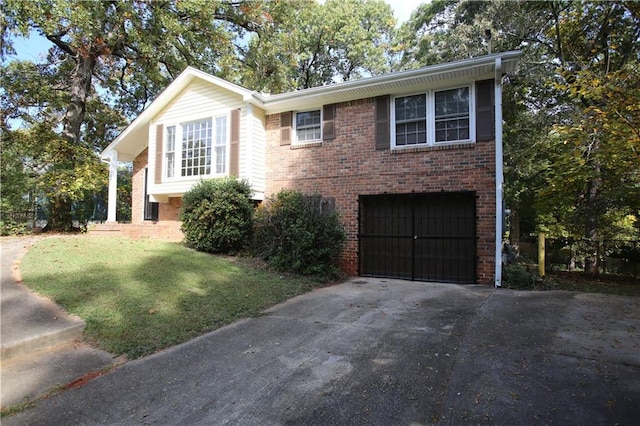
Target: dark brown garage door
{"type": "Point", "coordinates": [425, 237]}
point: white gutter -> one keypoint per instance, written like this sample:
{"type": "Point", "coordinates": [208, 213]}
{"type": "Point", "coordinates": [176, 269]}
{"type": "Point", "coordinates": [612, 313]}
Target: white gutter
{"type": "Point", "coordinates": [499, 171]}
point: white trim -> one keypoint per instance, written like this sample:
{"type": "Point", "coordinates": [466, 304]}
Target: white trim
{"type": "Point", "coordinates": [499, 171]}
{"type": "Point", "coordinates": [431, 116]}
{"type": "Point", "coordinates": [294, 140]}
{"type": "Point", "coordinates": [177, 174]}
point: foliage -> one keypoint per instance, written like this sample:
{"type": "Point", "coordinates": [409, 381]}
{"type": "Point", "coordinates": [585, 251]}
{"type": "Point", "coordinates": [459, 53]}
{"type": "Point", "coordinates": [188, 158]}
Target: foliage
{"type": "Point", "coordinates": [123, 209]}
{"type": "Point", "coordinates": [67, 175]}
{"type": "Point", "coordinates": [312, 44]}
{"type": "Point", "coordinates": [140, 296]}
{"type": "Point", "coordinates": [216, 215]}
{"type": "Point", "coordinates": [17, 198]}
{"type": "Point", "coordinates": [298, 233]}
{"type": "Point", "coordinates": [517, 276]}
{"type": "Point", "coordinates": [109, 60]}
{"type": "Point", "coordinates": [571, 109]}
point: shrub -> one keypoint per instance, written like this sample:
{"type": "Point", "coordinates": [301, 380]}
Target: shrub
{"type": "Point", "coordinates": [299, 233]}
{"type": "Point", "coordinates": [216, 215]}
{"type": "Point", "coordinates": [516, 276]}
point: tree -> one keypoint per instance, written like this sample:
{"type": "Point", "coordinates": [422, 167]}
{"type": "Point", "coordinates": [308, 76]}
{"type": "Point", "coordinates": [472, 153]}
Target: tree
{"type": "Point", "coordinates": [109, 56]}
{"type": "Point", "coordinates": [600, 74]}
{"type": "Point", "coordinates": [572, 109]}
{"type": "Point", "coordinates": [308, 44]}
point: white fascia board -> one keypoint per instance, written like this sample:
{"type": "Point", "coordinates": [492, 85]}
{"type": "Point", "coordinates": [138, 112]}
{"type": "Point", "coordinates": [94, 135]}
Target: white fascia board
{"type": "Point", "coordinates": [379, 85]}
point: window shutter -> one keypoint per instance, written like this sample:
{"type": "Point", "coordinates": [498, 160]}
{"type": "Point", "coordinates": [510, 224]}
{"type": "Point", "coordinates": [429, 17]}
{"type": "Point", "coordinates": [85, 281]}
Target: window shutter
{"type": "Point", "coordinates": [485, 121]}
{"type": "Point", "coordinates": [234, 155]}
{"type": "Point", "coordinates": [383, 133]}
{"type": "Point", "coordinates": [285, 128]}
{"type": "Point", "coordinates": [157, 178]}
{"type": "Point", "coordinates": [328, 122]}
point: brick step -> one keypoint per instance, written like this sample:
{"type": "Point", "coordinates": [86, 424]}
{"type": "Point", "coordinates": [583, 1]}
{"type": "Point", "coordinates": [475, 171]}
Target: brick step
{"type": "Point", "coordinates": [169, 231]}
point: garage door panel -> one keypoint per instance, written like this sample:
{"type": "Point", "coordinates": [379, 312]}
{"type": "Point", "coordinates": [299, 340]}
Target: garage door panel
{"type": "Point", "coordinates": [387, 257]}
{"type": "Point", "coordinates": [428, 237]}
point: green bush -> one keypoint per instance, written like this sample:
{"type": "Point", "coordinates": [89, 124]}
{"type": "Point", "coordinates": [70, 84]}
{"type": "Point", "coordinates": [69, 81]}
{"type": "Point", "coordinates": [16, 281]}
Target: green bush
{"type": "Point", "coordinates": [217, 215]}
{"type": "Point", "coordinates": [299, 233]}
{"type": "Point", "coordinates": [516, 276]}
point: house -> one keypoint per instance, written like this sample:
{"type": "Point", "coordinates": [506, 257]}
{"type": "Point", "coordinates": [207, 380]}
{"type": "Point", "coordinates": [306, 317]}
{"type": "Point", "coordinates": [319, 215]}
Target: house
{"type": "Point", "coordinates": [412, 161]}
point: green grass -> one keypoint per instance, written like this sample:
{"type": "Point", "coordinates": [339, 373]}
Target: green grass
{"type": "Point", "coordinates": [519, 276]}
{"type": "Point", "coordinates": [140, 296]}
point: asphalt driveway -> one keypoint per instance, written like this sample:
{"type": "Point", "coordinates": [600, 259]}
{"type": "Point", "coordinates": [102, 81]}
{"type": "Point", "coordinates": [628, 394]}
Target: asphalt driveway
{"type": "Point", "coordinates": [385, 352]}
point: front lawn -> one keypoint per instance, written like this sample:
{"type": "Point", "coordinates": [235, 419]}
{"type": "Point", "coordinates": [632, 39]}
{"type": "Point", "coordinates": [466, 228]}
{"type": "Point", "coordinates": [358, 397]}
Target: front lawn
{"type": "Point", "coordinates": [140, 296]}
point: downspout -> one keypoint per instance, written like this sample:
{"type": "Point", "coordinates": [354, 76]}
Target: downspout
{"type": "Point", "coordinates": [499, 171]}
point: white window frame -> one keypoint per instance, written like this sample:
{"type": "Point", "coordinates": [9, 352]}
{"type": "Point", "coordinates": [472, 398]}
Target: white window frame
{"type": "Point", "coordinates": [170, 154]}
{"type": "Point", "coordinates": [295, 127]}
{"type": "Point", "coordinates": [431, 118]}
{"type": "Point", "coordinates": [178, 135]}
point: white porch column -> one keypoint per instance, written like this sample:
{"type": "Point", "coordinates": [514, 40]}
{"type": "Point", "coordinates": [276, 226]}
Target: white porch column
{"type": "Point", "coordinates": [113, 186]}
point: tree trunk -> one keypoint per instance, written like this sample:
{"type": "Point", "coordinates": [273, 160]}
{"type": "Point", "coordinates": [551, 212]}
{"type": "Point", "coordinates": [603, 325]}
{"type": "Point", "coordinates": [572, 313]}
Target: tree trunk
{"type": "Point", "coordinates": [80, 88]}
{"type": "Point", "coordinates": [591, 213]}
{"type": "Point", "coordinates": [60, 218]}
{"type": "Point", "coordinates": [514, 234]}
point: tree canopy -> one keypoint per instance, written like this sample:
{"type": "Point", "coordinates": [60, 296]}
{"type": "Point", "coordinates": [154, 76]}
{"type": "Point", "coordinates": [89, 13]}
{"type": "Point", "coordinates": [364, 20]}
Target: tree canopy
{"type": "Point", "coordinates": [572, 110]}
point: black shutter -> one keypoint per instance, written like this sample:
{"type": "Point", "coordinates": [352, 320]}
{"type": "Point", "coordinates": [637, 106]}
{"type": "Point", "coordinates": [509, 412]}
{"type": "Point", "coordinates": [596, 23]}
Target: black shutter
{"type": "Point", "coordinates": [383, 133]}
{"type": "Point", "coordinates": [285, 128]}
{"type": "Point", "coordinates": [328, 122]}
{"type": "Point", "coordinates": [485, 119]}
{"type": "Point", "coordinates": [150, 209]}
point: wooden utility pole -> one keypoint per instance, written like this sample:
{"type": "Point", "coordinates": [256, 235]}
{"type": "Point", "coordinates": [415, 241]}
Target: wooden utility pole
{"type": "Point", "coordinates": [541, 254]}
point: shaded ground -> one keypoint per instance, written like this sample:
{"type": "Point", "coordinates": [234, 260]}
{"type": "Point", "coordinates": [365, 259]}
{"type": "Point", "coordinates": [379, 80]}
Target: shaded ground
{"type": "Point", "coordinates": [385, 352]}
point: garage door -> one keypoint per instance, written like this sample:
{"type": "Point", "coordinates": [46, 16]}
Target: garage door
{"type": "Point", "coordinates": [425, 237]}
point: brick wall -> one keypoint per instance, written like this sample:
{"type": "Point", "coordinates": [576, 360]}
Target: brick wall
{"type": "Point", "coordinates": [349, 166]}
{"type": "Point", "coordinates": [137, 186]}
{"type": "Point", "coordinates": [167, 226]}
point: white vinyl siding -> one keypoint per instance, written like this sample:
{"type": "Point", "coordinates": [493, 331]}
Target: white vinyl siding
{"type": "Point", "coordinates": [202, 101]}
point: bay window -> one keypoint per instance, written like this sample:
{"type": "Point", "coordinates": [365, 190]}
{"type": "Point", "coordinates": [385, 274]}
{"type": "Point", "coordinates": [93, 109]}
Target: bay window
{"type": "Point", "coordinates": [202, 150]}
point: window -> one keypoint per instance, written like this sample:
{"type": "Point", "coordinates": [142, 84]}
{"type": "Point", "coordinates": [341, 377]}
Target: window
{"type": "Point", "coordinates": [308, 125]}
{"type": "Point", "coordinates": [202, 152]}
{"type": "Point", "coordinates": [196, 148]}
{"type": "Point", "coordinates": [411, 120]}
{"type": "Point", "coordinates": [452, 115]}
{"type": "Point", "coordinates": [221, 144]}
{"type": "Point", "coordinates": [170, 152]}
{"type": "Point", "coordinates": [443, 116]}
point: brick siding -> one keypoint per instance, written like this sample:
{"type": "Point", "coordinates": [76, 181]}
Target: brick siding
{"type": "Point", "coordinates": [167, 227]}
{"type": "Point", "coordinates": [349, 166]}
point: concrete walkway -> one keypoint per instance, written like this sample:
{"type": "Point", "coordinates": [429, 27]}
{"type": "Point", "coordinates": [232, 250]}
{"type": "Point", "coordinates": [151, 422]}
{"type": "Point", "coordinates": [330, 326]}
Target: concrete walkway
{"type": "Point", "coordinates": [384, 352]}
{"type": "Point", "coordinates": [40, 343]}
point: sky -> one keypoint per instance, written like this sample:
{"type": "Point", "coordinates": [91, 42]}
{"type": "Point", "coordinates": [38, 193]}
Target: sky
{"type": "Point", "coordinates": [35, 47]}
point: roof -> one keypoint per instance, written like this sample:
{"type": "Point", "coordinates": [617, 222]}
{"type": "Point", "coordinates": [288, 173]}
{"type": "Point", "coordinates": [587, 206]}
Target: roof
{"type": "Point", "coordinates": [134, 138]}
